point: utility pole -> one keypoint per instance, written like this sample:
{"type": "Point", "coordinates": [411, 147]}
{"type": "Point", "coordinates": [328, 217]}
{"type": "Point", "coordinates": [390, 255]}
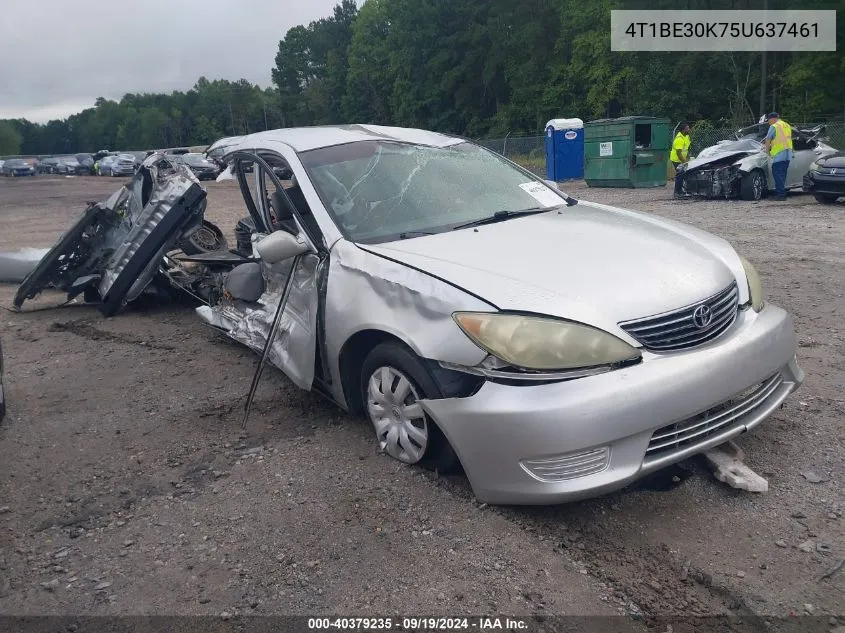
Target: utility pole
{"type": "Point", "coordinates": [264, 103]}
{"type": "Point", "coordinates": [763, 69]}
{"type": "Point", "coordinates": [232, 118]}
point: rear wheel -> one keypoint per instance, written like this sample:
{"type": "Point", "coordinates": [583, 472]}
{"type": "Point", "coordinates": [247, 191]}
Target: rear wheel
{"type": "Point", "coordinates": [826, 198]}
{"type": "Point", "coordinates": [751, 185]}
{"type": "Point", "coordinates": [393, 381]}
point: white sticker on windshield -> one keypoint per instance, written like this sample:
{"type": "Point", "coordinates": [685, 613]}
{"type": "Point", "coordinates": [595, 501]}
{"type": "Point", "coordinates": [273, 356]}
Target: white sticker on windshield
{"type": "Point", "coordinates": [541, 193]}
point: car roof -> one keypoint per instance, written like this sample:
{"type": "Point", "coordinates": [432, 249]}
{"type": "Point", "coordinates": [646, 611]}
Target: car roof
{"type": "Point", "coordinates": [303, 139]}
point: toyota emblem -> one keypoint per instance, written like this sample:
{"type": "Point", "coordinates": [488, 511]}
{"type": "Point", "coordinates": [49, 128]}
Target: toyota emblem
{"type": "Point", "coordinates": [702, 316]}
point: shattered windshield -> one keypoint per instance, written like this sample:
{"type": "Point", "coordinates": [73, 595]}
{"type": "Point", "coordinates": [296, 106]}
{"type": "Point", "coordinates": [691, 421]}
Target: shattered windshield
{"type": "Point", "coordinates": [378, 191]}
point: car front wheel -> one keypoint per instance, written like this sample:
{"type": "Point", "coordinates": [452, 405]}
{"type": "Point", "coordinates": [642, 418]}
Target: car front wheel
{"type": "Point", "coordinates": [826, 198]}
{"type": "Point", "coordinates": [751, 185]}
{"type": "Point", "coordinates": [393, 381]}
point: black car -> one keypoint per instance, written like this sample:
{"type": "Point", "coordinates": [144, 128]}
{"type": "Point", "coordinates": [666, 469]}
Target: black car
{"type": "Point", "coordinates": [203, 168]}
{"type": "Point", "coordinates": [17, 167]}
{"type": "Point", "coordinates": [826, 178]}
{"type": "Point", "coordinates": [68, 166]}
{"type": "Point", "coordinates": [47, 166]}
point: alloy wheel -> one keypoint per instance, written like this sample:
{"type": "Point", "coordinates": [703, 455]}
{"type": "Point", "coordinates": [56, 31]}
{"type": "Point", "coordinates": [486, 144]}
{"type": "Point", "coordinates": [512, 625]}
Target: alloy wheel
{"type": "Point", "coordinates": [758, 186]}
{"type": "Point", "coordinates": [399, 421]}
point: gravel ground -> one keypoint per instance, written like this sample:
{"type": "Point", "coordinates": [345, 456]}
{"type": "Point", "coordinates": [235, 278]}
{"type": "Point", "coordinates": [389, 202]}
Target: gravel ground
{"type": "Point", "coordinates": [128, 486]}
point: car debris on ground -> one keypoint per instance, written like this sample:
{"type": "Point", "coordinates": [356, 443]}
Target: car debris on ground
{"type": "Point", "coordinates": [727, 461]}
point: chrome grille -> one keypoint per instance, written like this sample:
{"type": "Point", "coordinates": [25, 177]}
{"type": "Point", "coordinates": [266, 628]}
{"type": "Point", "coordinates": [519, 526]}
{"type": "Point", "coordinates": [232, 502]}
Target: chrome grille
{"type": "Point", "coordinates": [701, 427]}
{"type": "Point", "coordinates": [678, 330]}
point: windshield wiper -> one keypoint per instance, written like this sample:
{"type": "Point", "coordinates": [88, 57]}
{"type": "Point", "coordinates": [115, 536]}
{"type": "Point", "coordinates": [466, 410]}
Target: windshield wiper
{"type": "Point", "coordinates": [500, 216]}
{"type": "Point", "coordinates": [408, 234]}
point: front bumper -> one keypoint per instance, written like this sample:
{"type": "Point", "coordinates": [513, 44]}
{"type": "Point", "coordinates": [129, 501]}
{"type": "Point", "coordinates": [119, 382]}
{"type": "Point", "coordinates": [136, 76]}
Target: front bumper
{"type": "Point", "coordinates": [718, 182]}
{"type": "Point", "coordinates": [832, 184]}
{"type": "Point", "coordinates": [502, 432]}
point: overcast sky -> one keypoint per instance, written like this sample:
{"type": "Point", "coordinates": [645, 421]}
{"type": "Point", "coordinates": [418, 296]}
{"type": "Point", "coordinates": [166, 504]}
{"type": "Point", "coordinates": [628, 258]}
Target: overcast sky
{"type": "Point", "coordinates": [58, 56]}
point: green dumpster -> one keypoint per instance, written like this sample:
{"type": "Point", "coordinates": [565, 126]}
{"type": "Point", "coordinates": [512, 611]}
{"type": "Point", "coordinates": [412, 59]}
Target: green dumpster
{"type": "Point", "coordinates": [630, 151]}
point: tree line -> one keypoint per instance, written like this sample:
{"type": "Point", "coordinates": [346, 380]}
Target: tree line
{"type": "Point", "coordinates": [462, 66]}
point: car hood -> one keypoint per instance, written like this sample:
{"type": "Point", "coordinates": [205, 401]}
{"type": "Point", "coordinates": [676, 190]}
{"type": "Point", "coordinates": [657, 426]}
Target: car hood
{"type": "Point", "coordinates": [727, 152]}
{"type": "Point", "coordinates": [590, 263]}
{"type": "Point", "coordinates": [836, 160]}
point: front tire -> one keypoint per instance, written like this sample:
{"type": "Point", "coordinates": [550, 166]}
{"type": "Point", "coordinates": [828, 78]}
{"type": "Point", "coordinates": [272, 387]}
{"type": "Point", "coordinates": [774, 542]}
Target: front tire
{"type": "Point", "coordinates": [751, 186]}
{"type": "Point", "coordinates": [825, 198]}
{"type": "Point", "coordinates": [393, 381]}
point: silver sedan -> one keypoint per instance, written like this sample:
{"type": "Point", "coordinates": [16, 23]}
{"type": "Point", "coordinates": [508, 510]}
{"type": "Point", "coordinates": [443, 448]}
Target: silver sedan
{"type": "Point", "coordinates": [553, 348]}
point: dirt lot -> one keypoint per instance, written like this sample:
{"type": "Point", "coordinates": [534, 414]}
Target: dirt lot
{"type": "Point", "coordinates": [128, 487]}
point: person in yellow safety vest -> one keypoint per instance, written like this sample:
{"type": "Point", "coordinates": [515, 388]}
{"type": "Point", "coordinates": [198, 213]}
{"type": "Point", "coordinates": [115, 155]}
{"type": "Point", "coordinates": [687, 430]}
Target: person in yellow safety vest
{"type": "Point", "coordinates": [778, 144]}
{"type": "Point", "coordinates": [680, 155]}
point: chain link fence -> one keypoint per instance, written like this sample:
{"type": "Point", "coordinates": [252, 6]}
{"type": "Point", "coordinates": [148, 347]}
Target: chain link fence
{"type": "Point", "coordinates": [530, 151]}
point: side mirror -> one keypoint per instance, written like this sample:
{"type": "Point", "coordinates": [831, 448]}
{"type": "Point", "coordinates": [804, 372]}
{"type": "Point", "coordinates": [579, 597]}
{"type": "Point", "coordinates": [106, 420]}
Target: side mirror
{"type": "Point", "coordinates": [279, 246]}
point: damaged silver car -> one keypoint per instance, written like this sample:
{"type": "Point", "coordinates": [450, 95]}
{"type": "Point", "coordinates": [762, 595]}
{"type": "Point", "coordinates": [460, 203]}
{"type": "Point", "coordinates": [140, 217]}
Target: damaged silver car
{"type": "Point", "coordinates": [741, 168]}
{"type": "Point", "coordinates": [554, 349]}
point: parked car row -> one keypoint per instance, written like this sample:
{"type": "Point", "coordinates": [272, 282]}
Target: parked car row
{"type": "Point", "coordinates": [107, 164]}
{"type": "Point", "coordinates": [79, 164]}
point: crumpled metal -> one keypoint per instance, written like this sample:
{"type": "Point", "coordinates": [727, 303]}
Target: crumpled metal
{"type": "Point", "coordinates": [292, 350]}
{"type": "Point", "coordinates": [170, 182]}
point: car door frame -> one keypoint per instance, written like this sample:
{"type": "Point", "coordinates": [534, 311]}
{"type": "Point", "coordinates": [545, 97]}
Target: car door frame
{"type": "Point", "coordinates": [313, 292]}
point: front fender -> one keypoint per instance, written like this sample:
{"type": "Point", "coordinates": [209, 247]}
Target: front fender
{"type": "Point", "coordinates": [366, 291]}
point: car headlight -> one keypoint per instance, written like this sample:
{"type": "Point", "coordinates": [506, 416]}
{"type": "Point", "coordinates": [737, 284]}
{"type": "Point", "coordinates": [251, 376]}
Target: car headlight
{"type": "Point", "coordinates": [539, 343]}
{"type": "Point", "coordinates": [814, 166]}
{"type": "Point", "coordinates": [755, 286]}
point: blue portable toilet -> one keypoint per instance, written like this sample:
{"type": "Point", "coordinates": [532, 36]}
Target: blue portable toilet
{"type": "Point", "coordinates": [564, 149]}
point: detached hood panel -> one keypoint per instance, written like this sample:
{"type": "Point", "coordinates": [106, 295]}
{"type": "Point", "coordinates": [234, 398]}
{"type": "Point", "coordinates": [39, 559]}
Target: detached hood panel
{"type": "Point", "coordinates": [588, 263]}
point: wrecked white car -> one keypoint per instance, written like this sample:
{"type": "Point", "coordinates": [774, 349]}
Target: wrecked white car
{"type": "Point", "coordinates": [741, 168]}
{"type": "Point", "coordinates": [555, 349]}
